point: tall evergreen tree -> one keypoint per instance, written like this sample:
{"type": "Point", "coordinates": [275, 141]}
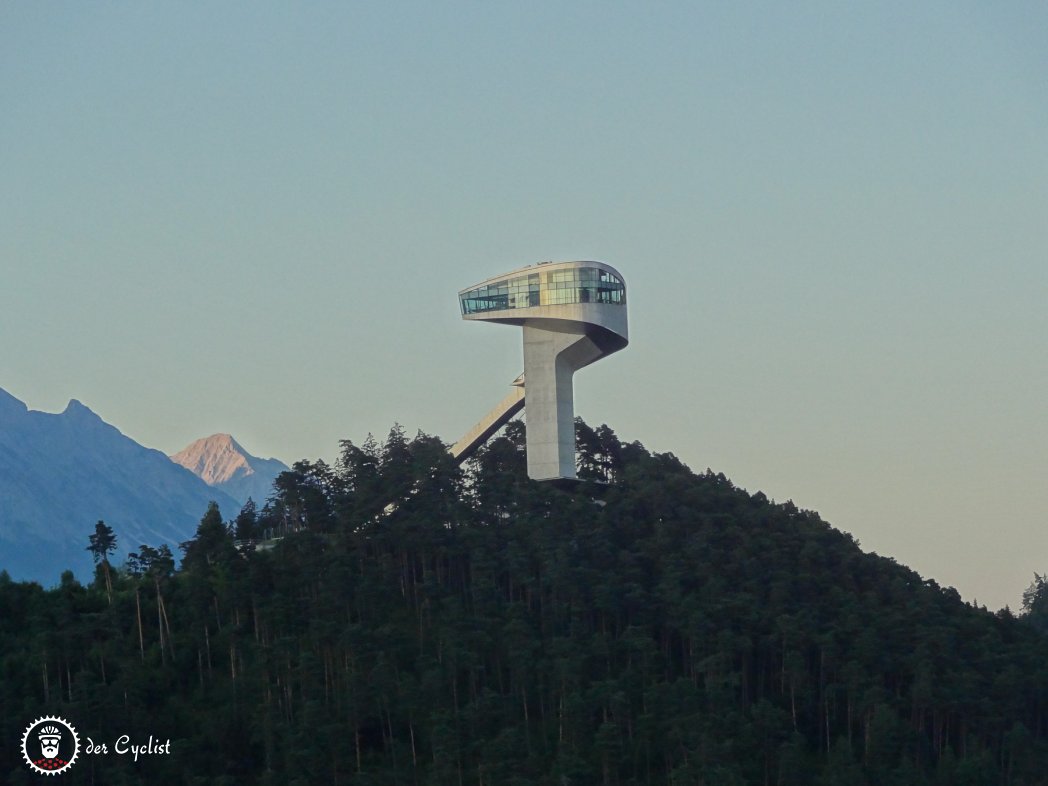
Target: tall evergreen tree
{"type": "Point", "coordinates": [102, 544]}
{"type": "Point", "coordinates": [1035, 602]}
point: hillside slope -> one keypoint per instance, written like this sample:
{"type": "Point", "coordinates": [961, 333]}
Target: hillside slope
{"type": "Point", "coordinates": [666, 627]}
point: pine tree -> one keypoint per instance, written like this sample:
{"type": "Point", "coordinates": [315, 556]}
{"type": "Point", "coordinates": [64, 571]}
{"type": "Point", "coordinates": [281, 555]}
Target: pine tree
{"type": "Point", "coordinates": [102, 544]}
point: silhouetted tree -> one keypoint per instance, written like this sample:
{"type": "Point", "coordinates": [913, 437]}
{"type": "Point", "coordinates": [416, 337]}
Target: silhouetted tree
{"type": "Point", "coordinates": [1035, 603]}
{"type": "Point", "coordinates": [102, 544]}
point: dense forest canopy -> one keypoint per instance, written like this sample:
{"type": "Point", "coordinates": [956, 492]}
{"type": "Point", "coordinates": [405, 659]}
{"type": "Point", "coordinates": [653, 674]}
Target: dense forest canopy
{"type": "Point", "coordinates": [397, 619]}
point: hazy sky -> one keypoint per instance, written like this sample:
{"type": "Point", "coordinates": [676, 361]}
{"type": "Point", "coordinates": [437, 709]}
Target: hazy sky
{"type": "Point", "coordinates": [832, 219]}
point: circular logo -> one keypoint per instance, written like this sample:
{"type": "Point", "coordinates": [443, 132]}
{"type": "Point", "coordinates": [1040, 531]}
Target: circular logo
{"type": "Point", "coordinates": [50, 745]}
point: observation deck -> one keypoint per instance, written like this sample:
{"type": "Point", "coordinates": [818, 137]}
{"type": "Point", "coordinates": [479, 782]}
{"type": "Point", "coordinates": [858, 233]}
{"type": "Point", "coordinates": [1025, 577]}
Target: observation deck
{"type": "Point", "coordinates": [572, 313]}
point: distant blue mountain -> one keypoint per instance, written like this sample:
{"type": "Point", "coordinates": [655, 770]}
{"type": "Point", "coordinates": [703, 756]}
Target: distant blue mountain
{"type": "Point", "coordinates": [60, 474]}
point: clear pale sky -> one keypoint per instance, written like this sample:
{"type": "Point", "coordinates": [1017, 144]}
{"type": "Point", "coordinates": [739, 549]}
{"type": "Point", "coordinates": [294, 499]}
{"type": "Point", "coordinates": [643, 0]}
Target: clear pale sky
{"type": "Point", "coordinates": [832, 219]}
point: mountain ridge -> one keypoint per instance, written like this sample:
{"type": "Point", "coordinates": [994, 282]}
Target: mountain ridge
{"type": "Point", "coordinates": [62, 472]}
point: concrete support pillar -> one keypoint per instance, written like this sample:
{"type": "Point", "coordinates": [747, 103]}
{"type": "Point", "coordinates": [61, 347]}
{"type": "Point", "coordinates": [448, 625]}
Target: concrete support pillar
{"type": "Point", "coordinates": [551, 357]}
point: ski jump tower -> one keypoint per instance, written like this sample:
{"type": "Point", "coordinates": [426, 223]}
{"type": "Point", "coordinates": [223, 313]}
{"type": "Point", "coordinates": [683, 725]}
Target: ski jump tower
{"type": "Point", "coordinates": [572, 313]}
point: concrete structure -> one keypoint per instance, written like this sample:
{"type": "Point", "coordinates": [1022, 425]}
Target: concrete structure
{"type": "Point", "coordinates": [492, 422]}
{"type": "Point", "coordinates": [572, 313]}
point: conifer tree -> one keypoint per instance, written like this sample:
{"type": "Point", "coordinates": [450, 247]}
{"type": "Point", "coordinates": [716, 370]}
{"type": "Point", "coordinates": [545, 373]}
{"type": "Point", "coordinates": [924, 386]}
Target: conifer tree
{"type": "Point", "coordinates": [102, 544]}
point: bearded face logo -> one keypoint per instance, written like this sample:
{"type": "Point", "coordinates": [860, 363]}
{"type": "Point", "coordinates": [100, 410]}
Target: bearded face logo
{"type": "Point", "coordinates": [50, 737]}
{"type": "Point", "coordinates": [57, 742]}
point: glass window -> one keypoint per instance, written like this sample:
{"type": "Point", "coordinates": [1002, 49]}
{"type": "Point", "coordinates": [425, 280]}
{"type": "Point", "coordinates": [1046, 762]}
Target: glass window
{"type": "Point", "coordinates": [575, 285]}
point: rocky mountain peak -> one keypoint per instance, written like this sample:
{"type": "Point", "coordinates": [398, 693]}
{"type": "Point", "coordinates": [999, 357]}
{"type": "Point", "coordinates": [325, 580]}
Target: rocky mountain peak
{"type": "Point", "coordinates": [215, 459]}
{"type": "Point", "coordinates": [75, 409]}
{"type": "Point", "coordinates": [219, 460]}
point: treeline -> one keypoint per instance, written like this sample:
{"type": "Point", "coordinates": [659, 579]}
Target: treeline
{"type": "Point", "coordinates": [394, 619]}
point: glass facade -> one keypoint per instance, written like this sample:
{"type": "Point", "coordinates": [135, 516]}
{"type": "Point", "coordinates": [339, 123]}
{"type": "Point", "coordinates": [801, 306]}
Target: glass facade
{"type": "Point", "coordinates": [546, 288]}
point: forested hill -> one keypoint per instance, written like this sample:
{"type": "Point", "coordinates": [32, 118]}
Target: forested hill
{"type": "Point", "coordinates": [416, 624]}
